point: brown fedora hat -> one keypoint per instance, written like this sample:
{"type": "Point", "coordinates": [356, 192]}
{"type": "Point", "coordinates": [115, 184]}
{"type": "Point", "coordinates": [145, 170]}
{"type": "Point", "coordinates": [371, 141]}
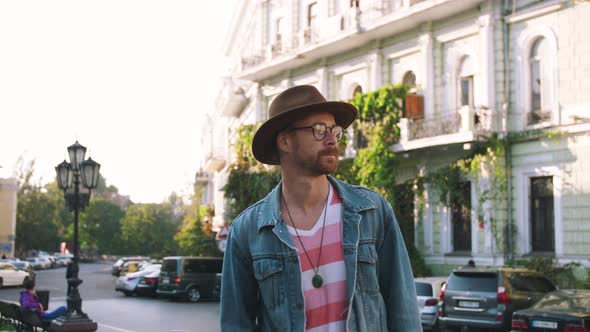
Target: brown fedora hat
{"type": "Point", "coordinates": [290, 105]}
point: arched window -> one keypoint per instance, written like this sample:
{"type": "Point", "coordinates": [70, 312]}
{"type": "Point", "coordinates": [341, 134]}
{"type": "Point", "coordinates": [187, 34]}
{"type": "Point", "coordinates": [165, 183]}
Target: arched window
{"type": "Point", "coordinates": [409, 79]}
{"type": "Point", "coordinates": [357, 89]}
{"type": "Point", "coordinates": [540, 82]}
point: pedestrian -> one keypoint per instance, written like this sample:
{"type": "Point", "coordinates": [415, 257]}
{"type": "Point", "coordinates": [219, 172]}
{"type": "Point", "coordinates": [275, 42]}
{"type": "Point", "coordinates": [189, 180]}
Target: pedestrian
{"type": "Point", "coordinates": [470, 263]}
{"type": "Point", "coordinates": [30, 301]}
{"type": "Point", "coordinates": [315, 254]}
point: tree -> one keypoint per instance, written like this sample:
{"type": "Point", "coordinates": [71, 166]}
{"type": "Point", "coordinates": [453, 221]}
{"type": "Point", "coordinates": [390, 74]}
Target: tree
{"type": "Point", "coordinates": [100, 226]}
{"type": "Point", "coordinates": [195, 238]}
{"type": "Point", "coordinates": [149, 229]}
{"type": "Point", "coordinates": [35, 216]}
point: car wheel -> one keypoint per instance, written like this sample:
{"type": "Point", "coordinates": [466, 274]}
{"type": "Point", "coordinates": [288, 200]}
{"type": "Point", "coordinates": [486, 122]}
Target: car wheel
{"type": "Point", "coordinates": [193, 295]}
{"type": "Point", "coordinates": [127, 293]}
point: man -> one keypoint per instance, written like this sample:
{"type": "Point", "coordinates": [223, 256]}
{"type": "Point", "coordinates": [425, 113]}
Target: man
{"type": "Point", "coordinates": [316, 254]}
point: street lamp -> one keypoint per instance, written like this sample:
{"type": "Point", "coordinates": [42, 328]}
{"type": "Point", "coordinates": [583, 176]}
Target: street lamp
{"type": "Point", "coordinates": [69, 177]}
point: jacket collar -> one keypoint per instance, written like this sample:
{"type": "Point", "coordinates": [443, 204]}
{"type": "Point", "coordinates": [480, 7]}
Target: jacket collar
{"type": "Point", "coordinates": [353, 200]}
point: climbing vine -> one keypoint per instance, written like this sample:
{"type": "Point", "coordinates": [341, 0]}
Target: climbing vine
{"type": "Point", "coordinates": [248, 180]}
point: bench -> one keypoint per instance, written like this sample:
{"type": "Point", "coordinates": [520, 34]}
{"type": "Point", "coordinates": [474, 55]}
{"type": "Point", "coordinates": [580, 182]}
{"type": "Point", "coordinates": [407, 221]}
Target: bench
{"type": "Point", "coordinates": [22, 319]}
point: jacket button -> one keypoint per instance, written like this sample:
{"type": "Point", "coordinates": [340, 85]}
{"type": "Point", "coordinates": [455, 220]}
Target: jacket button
{"type": "Point", "coordinates": [299, 306]}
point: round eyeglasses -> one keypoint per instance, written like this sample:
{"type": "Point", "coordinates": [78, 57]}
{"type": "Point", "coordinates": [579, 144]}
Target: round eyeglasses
{"type": "Point", "coordinates": [320, 130]}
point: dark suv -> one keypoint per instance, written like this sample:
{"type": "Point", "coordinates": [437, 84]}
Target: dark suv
{"type": "Point", "coordinates": [190, 278]}
{"type": "Point", "coordinates": [486, 297]}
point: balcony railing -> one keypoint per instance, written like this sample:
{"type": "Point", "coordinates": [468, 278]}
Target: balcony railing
{"type": "Point", "coordinates": [253, 60]}
{"type": "Point", "coordinates": [437, 126]}
{"type": "Point", "coordinates": [374, 20]}
{"type": "Point", "coordinates": [466, 119]}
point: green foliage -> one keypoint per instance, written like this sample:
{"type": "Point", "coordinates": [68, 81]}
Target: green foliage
{"type": "Point", "coordinates": [562, 276]}
{"type": "Point", "coordinates": [345, 171]}
{"type": "Point", "coordinates": [36, 213]}
{"type": "Point", "coordinates": [245, 187]}
{"type": "Point", "coordinates": [248, 181]}
{"type": "Point", "coordinates": [195, 237]}
{"type": "Point", "coordinates": [242, 146]}
{"type": "Point", "coordinates": [100, 226]}
{"type": "Point", "coordinates": [379, 113]}
{"type": "Point", "coordinates": [149, 229]}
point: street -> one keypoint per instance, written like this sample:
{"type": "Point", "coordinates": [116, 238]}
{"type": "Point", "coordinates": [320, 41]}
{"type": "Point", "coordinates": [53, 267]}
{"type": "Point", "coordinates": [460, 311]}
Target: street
{"type": "Point", "coordinates": [113, 311]}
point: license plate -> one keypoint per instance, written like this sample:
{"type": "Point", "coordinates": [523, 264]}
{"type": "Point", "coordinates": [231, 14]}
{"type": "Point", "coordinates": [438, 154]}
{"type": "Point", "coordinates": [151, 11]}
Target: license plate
{"type": "Point", "coordinates": [469, 304]}
{"type": "Point", "coordinates": [544, 324]}
{"type": "Point", "coordinates": [165, 280]}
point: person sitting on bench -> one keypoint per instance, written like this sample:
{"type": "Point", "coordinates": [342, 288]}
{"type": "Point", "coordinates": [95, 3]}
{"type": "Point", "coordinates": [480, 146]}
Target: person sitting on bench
{"type": "Point", "coordinates": [30, 301]}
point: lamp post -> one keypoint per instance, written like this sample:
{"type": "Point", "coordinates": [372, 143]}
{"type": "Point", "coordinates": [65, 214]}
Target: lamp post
{"type": "Point", "coordinates": [69, 177]}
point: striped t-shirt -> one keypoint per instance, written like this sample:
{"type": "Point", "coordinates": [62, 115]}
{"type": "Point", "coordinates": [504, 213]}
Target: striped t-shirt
{"type": "Point", "coordinates": [326, 308]}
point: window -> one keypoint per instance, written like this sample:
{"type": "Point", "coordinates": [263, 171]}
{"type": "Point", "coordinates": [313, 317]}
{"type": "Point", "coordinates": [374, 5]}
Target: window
{"type": "Point", "coordinates": [542, 214]}
{"type": "Point", "coordinates": [467, 91]}
{"type": "Point", "coordinates": [355, 3]}
{"type": "Point", "coordinates": [461, 218]}
{"type": "Point", "coordinates": [423, 289]}
{"type": "Point", "coordinates": [466, 83]}
{"type": "Point", "coordinates": [409, 79]}
{"type": "Point", "coordinates": [357, 90]}
{"type": "Point", "coordinates": [540, 82]}
{"type": "Point", "coordinates": [280, 28]}
{"type": "Point", "coordinates": [312, 14]}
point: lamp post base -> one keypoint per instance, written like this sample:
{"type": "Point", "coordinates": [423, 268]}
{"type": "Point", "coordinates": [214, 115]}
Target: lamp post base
{"type": "Point", "coordinates": [69, 324]}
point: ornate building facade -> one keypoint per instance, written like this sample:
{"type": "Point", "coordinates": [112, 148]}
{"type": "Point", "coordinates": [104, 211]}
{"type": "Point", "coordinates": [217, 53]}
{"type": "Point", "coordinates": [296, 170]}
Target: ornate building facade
{"type": "Point", "coordinates": [477, 68]}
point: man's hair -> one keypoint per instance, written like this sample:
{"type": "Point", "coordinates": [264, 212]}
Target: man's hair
{"type": "Point", "coordinates": [29, 284]}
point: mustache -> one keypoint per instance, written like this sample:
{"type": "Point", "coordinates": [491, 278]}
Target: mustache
{"type": "Point", "coordinates": [330, 151]}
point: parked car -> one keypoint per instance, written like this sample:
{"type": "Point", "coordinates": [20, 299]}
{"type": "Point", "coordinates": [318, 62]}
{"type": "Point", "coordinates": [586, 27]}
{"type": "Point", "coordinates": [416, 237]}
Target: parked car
{"type": "Point", "coordinates": [487, 297]}
{"type": "Point", "coordinates": [21, 265]}
{"type": "Point", "coordinates": [39, 263]}
{"type": "Point", "coordinates": [190, 278]}
{"type": "Point", "coordinates": [127, 284]}
{"type": "Point", "coordinates": [117, 266]}
{"type": "Point", "coordinates": [563, 310]}
{"type": "Point", "coordinates": [148, 284]}
{"type": "Point", "coordinates": [11, 276]}
{"type": "Point", "coordinates": [428, 291]}
{"type": "Point", "coordinates": [63, 259]}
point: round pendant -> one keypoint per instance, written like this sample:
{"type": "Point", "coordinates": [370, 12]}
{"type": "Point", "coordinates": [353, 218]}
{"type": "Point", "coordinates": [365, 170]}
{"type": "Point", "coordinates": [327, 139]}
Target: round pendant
{"type": "Point", "coordinates": [317, 281]}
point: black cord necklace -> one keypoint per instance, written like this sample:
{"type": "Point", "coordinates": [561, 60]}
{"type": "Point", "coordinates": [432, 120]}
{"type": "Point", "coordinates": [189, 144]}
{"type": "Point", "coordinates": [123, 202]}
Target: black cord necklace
{"type": "Point", "coordinates": [317, 280]}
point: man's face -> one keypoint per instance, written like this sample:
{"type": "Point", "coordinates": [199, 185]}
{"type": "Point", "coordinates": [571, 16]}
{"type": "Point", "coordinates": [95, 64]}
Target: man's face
{"type": "Point", "coordinates": [312, 156]}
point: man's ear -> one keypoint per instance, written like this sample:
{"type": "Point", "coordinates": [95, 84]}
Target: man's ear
{"type": "Point", "coordinates": [282, 141]}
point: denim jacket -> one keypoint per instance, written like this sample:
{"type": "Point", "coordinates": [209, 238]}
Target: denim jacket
{"type": "Point", "coordinates": [261, 282]}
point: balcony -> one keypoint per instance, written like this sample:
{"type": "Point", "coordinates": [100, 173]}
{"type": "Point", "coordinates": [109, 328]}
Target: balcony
{"type": "Point", "coordinates": [201, 178]}
{"type": "Point", "coordinates": [252, 60]}
{"type": "Point", "coordinates": [462, 126]}
{"type": "Point", "coordinates": [214, 162]}
{"type": "Point", "coordinates": [232, 99]}
{"type": "Point", "coordinates": [347, 31]}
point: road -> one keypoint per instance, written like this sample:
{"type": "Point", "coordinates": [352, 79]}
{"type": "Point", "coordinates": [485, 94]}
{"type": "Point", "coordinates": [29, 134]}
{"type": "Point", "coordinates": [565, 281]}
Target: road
{"type": "Point", "coordinates": [114, 312]}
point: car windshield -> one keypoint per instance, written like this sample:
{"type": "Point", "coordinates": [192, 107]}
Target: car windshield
{"type": "Point", "coordinates": [423, 289]}
{"type": "Point", "coordinates": [480, 282]}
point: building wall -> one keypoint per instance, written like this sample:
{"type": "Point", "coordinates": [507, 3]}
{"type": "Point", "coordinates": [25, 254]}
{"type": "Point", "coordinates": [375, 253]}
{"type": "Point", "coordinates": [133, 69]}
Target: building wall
{"type": "Point", "coordinates": [435, 51]}
{"type": "Point", "coordinates": [8, 190]}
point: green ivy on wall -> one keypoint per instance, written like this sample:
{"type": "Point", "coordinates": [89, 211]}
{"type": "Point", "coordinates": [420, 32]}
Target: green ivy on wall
{"type": "Point", "coordinates": [248, 180]}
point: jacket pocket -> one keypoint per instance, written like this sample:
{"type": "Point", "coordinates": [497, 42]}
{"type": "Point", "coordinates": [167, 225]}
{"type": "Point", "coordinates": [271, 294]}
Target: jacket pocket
{"type": "Point", "coordinates": [368, 281]}
{"type": "Point", "coordinates": [269, 273]}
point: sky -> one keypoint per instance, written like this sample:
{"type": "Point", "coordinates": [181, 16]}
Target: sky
{"type": "Point", "coordinates": [129, 79]}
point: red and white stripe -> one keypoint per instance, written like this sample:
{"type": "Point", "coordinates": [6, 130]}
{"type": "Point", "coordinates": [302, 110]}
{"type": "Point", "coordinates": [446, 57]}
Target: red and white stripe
{"type": "Point", "coordinates": [326, 308]}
